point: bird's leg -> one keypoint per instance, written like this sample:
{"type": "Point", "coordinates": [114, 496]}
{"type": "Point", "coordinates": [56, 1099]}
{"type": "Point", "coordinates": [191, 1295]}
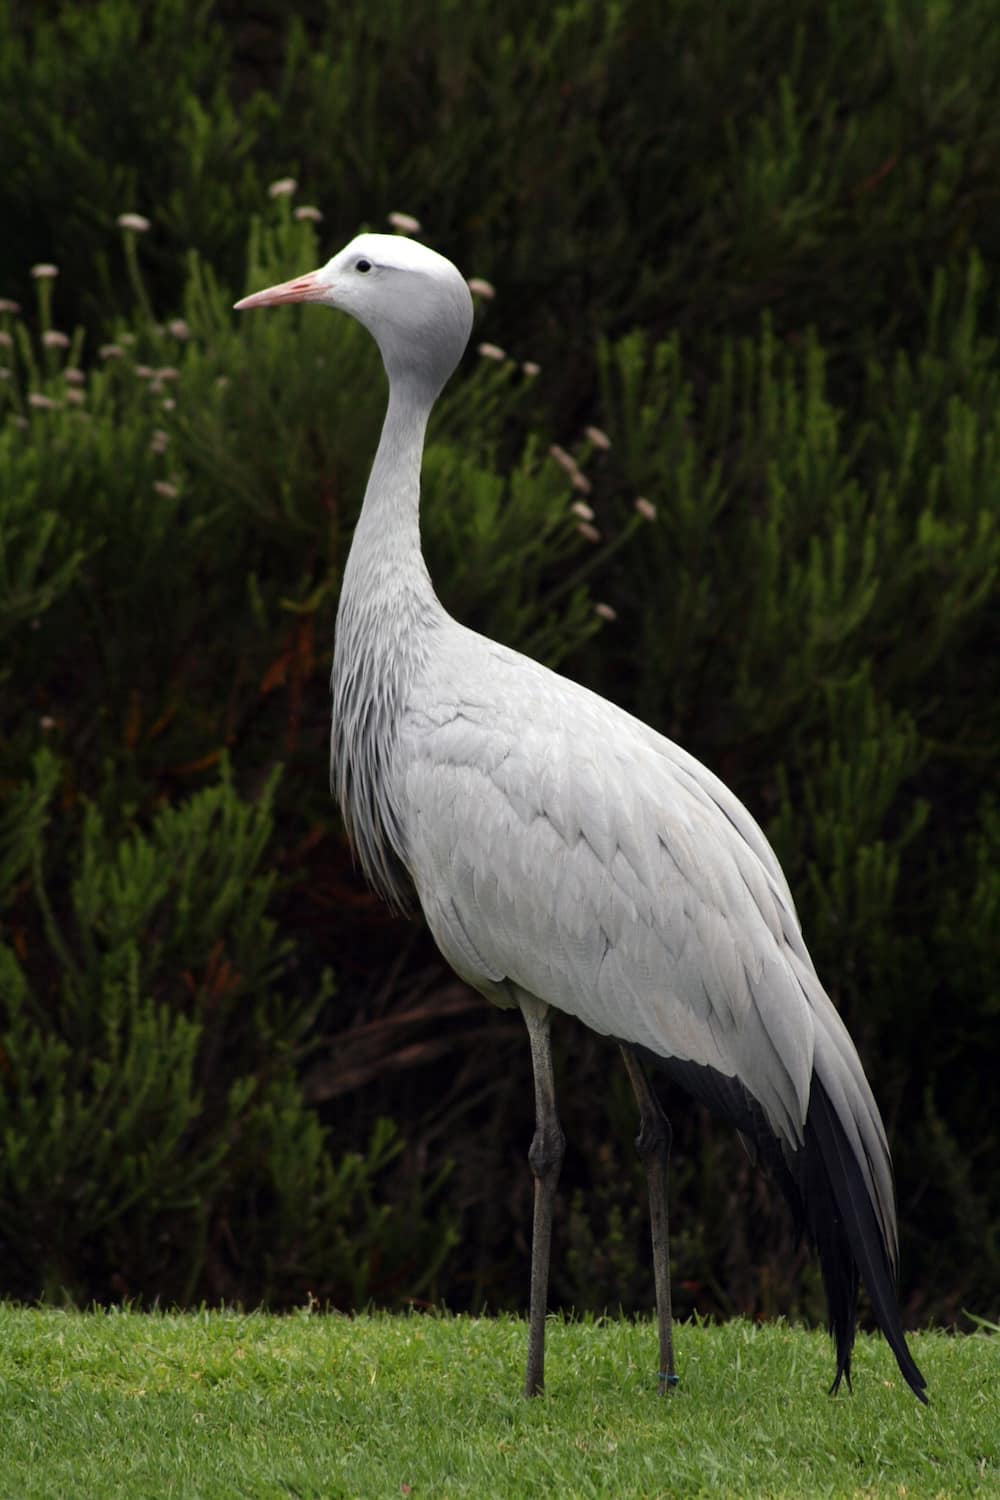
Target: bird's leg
{"type": "Point", "coordinates": [653, 1145]}
{"type": "Point", "coordinates": [545, 1158]}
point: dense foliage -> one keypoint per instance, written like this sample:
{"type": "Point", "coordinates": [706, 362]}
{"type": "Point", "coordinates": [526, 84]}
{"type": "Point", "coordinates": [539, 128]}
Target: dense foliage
{"type": "Point", "coordinates": [756, 246]}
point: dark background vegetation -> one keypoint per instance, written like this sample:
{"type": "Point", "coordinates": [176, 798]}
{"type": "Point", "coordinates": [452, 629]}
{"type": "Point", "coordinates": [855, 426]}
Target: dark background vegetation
{"type": "Point", "coordinates": [757, 245]}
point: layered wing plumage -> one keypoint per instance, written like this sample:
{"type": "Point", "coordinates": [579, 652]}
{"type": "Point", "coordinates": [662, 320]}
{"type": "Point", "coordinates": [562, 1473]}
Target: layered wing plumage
{"type": "Point", "coordinates": [562, 847]}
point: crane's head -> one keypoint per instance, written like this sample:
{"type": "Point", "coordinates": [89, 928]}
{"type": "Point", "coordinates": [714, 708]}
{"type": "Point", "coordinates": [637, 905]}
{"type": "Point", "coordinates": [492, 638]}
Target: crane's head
{"type": "Point", "coordinates": [414, 303]}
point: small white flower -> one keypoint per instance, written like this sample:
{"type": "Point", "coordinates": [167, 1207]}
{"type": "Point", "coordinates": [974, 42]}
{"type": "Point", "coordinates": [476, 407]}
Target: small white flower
{"type": "Point", "coordinates": [166, 489]}
{"type": "Point", "coordinates": [111, 351]}
{"type": "Point", "coordinates": [135, 222]}
{"type": "Point", "coordinates": [4, 373]}
{"type": "Point", "coordinates": [482, 288]}
{"type": "Point", "coordinates": [169, 404]}
{"type": "Point", "coordinates": [167, 372]}
{"type": "Point", "coordinates": [6, 342]}
{"type": "Point", "coordinates": [531, 369]}
{"type": "Point", "coordinates": [7, 305]}
{"type": "Point", "coordinates": [40, 402]}
{"type": "Point", "coordinates": [591, 533]}
{"type": "Point", "coordinates": [144, 372]}
{"type": "Point", "coordinates": [159, 442]}
{"type": "Point", "coordinates": [283, 188]}
{"type": "Point", "coordinates": [598, 438]}
{"type": "Point", "coordinates": [404, 223]}
{"type": "Point", "coordinates": [646, 508]}
{"type": "Point", "coordinates": [221, 382]}
{"type": "Point", "coordinates": [178, 329]}
{"type": "Point", "coordinates": [75, 396]}
{"type": "Point", "coordinates": [581, 482]}
{"type": "Point", "coordinates": [605, 611]}
{"type": "Point", "coordinates": [563, 459]}
{"type": "Point", "coordinates": [46, 722]}
{"type": "Point", "coordinates": [582, 509]}
{"type": "Point", "coordinates": [308, 212]}
{"type": "Point", "coordinates": [53, 339]}
{"type": "Point", "coordinates": [74, 377]}
{"type": "Point", "coordinates": [492, 351]}
{"type": "Point", "coordinates": [126, 338]}
{"type": "Point", "coordinates": [44, 271]}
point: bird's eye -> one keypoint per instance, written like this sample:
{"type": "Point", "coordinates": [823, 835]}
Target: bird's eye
{"type": "Point", "coordinates": [363, 265]}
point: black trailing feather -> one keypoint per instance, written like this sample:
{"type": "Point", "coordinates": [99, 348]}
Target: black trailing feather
{"type": "Point", "coordinates": [849, 1241]}
{"type": "Point", "coordinates": [826, 1187]}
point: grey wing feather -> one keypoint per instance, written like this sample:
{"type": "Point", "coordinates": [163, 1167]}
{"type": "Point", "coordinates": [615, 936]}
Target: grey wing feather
{"type": "Point", "coordinates": [560, 847]}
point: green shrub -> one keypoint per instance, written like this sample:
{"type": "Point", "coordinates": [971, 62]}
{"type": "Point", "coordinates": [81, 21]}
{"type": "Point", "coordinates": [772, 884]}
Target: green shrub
{"type": "Point", "coordinates": [155, 1142]}
{"type": "Point", "coordinates": [755, 244]}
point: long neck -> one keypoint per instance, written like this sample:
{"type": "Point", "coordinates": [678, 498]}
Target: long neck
{"type": "Point", "coordinates": [385, 569]}
{"type": "Point", "coordinates": [387, 614]}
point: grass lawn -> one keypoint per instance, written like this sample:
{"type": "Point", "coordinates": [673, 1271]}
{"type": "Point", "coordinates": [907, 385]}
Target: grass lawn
{"type": "Point", "coordinates": [318, 1407]}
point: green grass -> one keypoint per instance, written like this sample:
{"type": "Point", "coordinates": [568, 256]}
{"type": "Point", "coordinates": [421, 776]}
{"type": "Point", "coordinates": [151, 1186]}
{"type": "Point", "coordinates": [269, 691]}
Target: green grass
{"type": "Point", "coordinates": [311, 1406]}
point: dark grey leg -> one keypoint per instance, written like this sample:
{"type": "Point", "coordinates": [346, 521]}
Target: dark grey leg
{"type": "Point", "coordinates": [545, 1157]}
{"type": "Point", "coordinates": [653, 1145]}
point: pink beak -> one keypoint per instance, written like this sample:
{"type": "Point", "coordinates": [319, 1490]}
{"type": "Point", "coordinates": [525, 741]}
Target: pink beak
{"type": "Point", "coordinates": [302, 289]}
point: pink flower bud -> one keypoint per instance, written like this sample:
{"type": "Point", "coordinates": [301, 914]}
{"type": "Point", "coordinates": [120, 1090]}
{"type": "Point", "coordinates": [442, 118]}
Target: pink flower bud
{"type": "Point", "coordinates": [563, 459]}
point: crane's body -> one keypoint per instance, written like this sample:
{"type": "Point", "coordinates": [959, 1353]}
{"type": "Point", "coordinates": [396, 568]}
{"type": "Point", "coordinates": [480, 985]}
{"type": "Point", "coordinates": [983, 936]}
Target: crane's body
{"type": "Point", "coordinates": [561, 848]}
{"type": "Point", "coordinates": [568, 856]}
